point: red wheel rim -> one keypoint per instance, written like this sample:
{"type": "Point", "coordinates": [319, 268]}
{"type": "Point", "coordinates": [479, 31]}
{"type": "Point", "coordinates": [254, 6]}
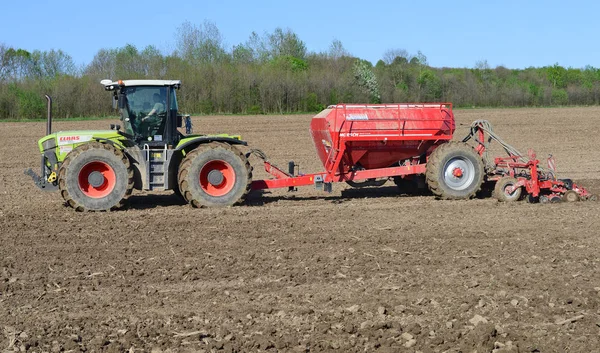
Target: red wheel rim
{"type": "Point", "coordinates": [107, 183]}
{"type": "Point", "coordinates": [225, 183]}
{"type": "Point", "coordinates": [457, 172]}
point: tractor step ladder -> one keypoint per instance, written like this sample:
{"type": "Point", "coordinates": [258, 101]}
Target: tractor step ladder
{"type": "Point", "coordinates": [157, 160]}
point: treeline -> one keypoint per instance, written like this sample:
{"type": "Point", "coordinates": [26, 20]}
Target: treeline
{"type": "Point", "coordinates": [274, 73]}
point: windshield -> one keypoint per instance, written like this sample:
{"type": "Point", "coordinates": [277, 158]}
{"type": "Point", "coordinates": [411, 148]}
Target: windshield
{"type": "Point", "coordinates": [145, 110]}
{"type": "Point", "coordinates": [143, 99]}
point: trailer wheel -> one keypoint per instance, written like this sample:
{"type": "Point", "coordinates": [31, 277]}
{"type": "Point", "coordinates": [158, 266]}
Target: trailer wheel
{"type": "Point", "coordinates": [411, 184]}
{"type": "Point", "coordinates": [95, 177]}
{"type": "Point", "coordinates": [501, 190]}
{"type": "Point", "coordinates": [571, 196]}
{"type": "Point", "coordinates": [454, 171]}
{"type": "Point", "coordinates": [214, 175]}
{"type": "Point", "coordinates": [532, 199]}
{"type": "Point", "coordinates": [366, 183]}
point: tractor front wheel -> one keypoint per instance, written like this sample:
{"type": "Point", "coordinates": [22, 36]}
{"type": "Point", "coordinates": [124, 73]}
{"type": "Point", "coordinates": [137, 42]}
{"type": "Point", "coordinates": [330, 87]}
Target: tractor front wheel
{"type": "Point", "coordinates": [95, 177]}
{"type": "Point", "coordinates": [454, 171]}
{"type": "Point", "coordinates": [214, 175]}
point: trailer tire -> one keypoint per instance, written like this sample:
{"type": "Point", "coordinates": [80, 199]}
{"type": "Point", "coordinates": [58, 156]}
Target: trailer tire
{"type": "Point", "coordinates": [571, 196]}
{"type": "Point", "coordinates": [95, 177]}
{"type": "Point", "coordinates": [411, 184]}
{"type": "Point", "coordinates": [500, 190]}
{"type": "Point", "coordinates": [454, 171]}
{"type": "Point", "coordinates": [214, 175]}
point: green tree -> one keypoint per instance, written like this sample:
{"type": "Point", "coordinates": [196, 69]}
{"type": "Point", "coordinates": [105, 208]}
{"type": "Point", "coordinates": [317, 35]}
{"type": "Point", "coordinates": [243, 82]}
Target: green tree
{"type": "Point", "coordinates": [286, 43]}
{"type": "Point", "coordinates": [556, 75]}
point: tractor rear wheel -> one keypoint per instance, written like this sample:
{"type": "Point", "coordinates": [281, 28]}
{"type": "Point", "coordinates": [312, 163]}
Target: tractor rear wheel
{"type": "Point", "coordinates": [454, 171]}
{"type": "Point", "coordinates": [214, 175]}
{"type": "Point", "coordinates": [95, 177]}
{"type": "Point", "coordinates": [502, 193]}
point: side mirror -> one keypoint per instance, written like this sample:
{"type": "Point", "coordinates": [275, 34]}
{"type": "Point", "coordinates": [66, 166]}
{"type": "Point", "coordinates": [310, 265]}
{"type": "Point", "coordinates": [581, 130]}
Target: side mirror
{"type": "Point", "coordinates": [179, 121]}
{"type": "Point", "coordinates": [122, 102]}
{"type": "Point", "coordinates": [114, 102]}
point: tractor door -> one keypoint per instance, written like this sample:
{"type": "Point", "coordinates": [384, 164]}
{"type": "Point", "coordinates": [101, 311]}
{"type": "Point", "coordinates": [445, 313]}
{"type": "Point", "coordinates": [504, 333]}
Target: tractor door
{"type": "Point", "coordinates": [171, 133]}
{"type": "Point", "coordinates": [144, 113]}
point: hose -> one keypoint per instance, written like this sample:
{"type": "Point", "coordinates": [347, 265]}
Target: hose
{"type": "Point", "coordinates": [486, 127]}
{"type": "Point", "coordinates": [258, 153]}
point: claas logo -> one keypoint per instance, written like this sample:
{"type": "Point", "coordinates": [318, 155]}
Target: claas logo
{"type": "Point", "coordinates": [68, 138]}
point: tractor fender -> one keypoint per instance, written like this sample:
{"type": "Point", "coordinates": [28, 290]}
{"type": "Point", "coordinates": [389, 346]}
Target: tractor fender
{"type": "Point", "coordinates": [115, 143]}
{"type": "Point", "coordinates": [189, 145]}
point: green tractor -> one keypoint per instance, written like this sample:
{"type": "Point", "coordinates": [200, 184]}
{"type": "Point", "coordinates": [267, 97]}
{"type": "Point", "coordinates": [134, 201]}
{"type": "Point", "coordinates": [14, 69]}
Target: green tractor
{"type": "Point", "coordinates": [97, 170]}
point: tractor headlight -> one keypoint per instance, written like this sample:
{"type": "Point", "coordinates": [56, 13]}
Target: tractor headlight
{"type": "Point", "coordinates": [49, 144]}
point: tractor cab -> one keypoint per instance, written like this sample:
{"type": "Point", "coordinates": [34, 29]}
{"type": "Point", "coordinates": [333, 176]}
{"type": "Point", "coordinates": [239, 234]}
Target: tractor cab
{"type": "Point", "coordinates": [148, 110]}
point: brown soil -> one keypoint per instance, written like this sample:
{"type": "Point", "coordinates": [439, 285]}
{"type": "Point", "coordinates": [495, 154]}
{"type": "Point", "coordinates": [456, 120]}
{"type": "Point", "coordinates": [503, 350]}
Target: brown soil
{"type": "Point", "coordinates": [354, 270]}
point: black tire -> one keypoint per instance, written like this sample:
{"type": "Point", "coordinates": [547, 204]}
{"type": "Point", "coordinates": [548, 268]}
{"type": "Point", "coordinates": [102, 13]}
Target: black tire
{"type": "Point", "coordinates": [366, 183]}
{"type": "Point", "coordinates": [76, 182]}
{"type": "Point", "coordinates": [411, 184]}
{"type": "Point", "coordinates": [568, 183]}
{"type": "Point", "coordinates": [232, 168]}
{"type": "Point", "coordinates": [442, 164]}
{"type": "Point", "coordinates": [500, 192]}
{"type": "Point", "coordinates": [532, 199]}
{"type": "Point", "coordinates": [177, 192]}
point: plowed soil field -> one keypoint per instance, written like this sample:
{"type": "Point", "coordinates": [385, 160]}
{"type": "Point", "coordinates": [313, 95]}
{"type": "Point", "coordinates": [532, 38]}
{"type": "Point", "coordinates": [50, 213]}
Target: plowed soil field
{"type": "Point", "coordinates": [352, 271]}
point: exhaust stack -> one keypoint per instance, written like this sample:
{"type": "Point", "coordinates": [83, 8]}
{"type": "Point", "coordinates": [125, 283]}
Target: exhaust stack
{"type": "Point", "coordinates": [49, 121]}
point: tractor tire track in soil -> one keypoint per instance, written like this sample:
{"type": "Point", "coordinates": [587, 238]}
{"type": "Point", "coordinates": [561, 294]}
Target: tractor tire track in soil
{"type": "Point", "coordinates": [354, 270]}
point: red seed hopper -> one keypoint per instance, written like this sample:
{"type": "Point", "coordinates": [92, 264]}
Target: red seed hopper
{"type": "Point", "coordinates": [362, 137]}
{"type": "Point", "coordinates": [376, 142]}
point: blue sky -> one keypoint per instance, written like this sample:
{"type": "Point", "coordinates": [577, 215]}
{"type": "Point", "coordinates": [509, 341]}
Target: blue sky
{"type": "Point", "coordinates": [516, 34]}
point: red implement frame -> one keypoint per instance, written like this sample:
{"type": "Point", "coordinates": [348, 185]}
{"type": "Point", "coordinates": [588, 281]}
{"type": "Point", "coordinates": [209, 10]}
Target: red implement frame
{"type": "Point", "coordinates": [398, 129]}
{"type": "Point", "coordinates": [536, 182]}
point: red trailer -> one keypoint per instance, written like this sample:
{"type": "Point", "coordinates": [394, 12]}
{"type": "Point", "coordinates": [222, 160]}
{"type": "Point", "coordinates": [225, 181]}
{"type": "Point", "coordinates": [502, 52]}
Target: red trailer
{"type": "Point", "coordinates": [371, 143]}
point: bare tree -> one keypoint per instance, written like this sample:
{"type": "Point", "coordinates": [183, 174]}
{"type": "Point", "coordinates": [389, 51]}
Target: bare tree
{"type": "Point", "coordinates": [200, 43]}
{"type": "Point", "coordinates": [337, 50]}
{"type": "Point", "coordinates": [55, 63]}
{"type": "Point", "coordinates": [102, 65]}
{"type": "Point", "coordinates": [391, 54]}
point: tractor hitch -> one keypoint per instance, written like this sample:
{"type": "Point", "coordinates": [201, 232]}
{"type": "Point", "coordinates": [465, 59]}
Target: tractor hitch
{"type": "Point", "coordinates": [42, 183]}
{"type": "Point", "coordinates": [45, 182]}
